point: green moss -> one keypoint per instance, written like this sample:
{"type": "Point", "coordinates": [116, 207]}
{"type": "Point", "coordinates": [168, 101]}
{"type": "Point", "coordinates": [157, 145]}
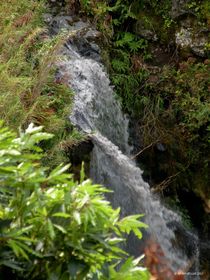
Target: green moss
{"type": "Point", "coordinates": [175, 204]}
{"type": "Point", "coordinates": [205, 9]}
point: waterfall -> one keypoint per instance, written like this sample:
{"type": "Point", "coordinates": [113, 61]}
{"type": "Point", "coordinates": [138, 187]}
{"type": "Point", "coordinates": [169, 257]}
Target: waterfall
{"type": "Point", "coordinates": [97, 112]}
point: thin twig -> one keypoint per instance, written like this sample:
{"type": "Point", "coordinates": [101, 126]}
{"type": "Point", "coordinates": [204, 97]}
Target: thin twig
{"type": "Point", "coordinates": [147, 147]}
{"type": "Point", "coordinates": [164, 184]}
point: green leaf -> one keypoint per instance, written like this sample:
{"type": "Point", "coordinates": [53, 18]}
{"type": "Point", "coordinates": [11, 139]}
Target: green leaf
{"type": "Point", "coordinates": [60, 228]}
{"type": "Point", "coordinates": [50, 229]}
{"type": "Point", "coordinates": [77, 217]}
{"type": "Point", "coordinates": [17, 249]}
{"type": "Point", "coordinates": [55, 174]}
{"type": "Point", "coordinates": [131, 223]}
{"type": "Point", "coordinates": [11, 264]}
{"type": "Point", "coordinates": [51, 219]}
{"type": "Point", "coordinates": [62, 215]}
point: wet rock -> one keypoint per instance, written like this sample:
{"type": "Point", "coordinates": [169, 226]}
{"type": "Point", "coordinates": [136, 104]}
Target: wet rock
{"type": "Point", "coordinates": [86, 44]}
{"type": "Point", "coordinates": [81, 34]}
{"type": "Point", "coordinates": [47, 18]}
{"type": "Point", "coordinates": [69, 23]}
{"type": "Point", "coordinates": [92, 34]}
{"type": "Point", "coordinates": [184, 37]}
{"type": "Point", "coordinates": [81, 152]}
{"type": "Point", "coordinates": [205, 251]}
{"type": "Point", "coordinates": [78, 155]}
{"type": "Point", "coordinates": [56, 6]}
{"type": "Point", "coordinates": [195, 40]}
{"type": "Point", "coordinates": [185, 239]}
{"type": "Point", "coordinates": [179, 8]}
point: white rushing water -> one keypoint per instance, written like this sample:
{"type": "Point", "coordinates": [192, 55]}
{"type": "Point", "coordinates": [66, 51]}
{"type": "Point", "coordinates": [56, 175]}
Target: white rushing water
{"type": "Point", "coordinates": [97, 113]}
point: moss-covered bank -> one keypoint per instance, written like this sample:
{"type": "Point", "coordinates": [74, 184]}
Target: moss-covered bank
{"type": "Point", "coordinates": [157, 56]}
{"type": "Point", "coordinates": [30, 89]}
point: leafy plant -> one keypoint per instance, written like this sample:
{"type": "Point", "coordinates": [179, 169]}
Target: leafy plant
{"type": "Point", "coordinates": [177, 115]}
{"type": "Point", "coordinates": [53, 227]}
{"type": "Point", "coordinates": [130, 41]}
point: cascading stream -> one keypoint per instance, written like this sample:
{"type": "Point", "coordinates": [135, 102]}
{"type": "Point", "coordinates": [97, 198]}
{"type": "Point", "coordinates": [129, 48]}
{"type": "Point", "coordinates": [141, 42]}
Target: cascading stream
{"type": "Point", "coordinates": [97, 112]}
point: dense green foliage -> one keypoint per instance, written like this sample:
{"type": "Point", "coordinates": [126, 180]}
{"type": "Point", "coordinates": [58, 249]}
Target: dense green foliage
{"type": "Point", "coordinates": [171, 104]}
{"type": "Point", "coordinates": [53, 227]}
{"type": "Point", "coordinates": [29, 91]}
{"type": "Point", "coordinates": [165, 91]}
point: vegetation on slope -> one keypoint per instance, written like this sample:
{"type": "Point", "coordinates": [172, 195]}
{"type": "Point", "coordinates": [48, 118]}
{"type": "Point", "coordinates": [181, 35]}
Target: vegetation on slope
{"type": "Point", "coordinates": [171, 104]}
{"type": "Point", "coordinates": [29, 90]}
{"type": "Point", "coordinates": [169, 101]}
{"type": "Point", "coordinates": [53, 227]}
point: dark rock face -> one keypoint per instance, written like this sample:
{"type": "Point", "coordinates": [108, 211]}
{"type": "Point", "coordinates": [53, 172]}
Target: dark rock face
{"type": "Point", "coordinates": [56, 5]}
{"type": "Point", "coordinates": [144, 31]}
{"type": "Point", "coordinates": [205, 251]}
{"type": "Point", "coordinates": [78, 155]}
{"type": "Point", "coordinates": [190, 33]}
{"type": "Point", "coordinates": [83, 36]}
{"type": "Point", "coordinates": [186, 240]}
{"type": "Point", "coordinates": [190, 243]}
{"type": "Point", "coordinates": [186, 35]}
{"type": "Point", "coordinates": [70, 7]}
{"type": "Point", "coordinates": [191, 36]}
{"type": "Point", "coordinates": [80, 152]}
{"type": "Point", "coordinates": [179, 8]}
